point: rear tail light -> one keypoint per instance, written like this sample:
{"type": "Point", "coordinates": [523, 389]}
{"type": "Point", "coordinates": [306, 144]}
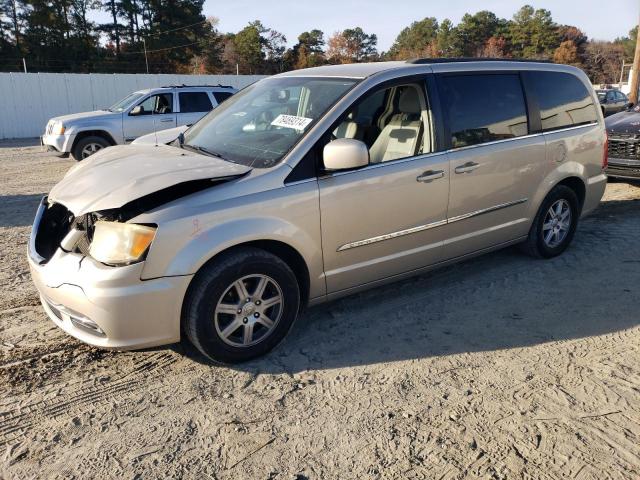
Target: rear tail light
{"type": "Point", "coordinates": [605, 153]}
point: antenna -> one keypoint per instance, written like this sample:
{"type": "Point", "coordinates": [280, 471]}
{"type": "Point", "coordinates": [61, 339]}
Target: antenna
{"type": "Point", "coordinates": [155, 130]}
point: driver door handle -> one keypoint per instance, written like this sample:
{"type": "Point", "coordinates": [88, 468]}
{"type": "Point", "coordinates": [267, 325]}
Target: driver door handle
{"type": "Point", "coordinates": [430, 175]}
{"type": "Point", "coordinates": [467, 167]}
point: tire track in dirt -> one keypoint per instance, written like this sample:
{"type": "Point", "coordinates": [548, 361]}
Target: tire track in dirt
{"type": "Point", "coordinates": [15, 423]}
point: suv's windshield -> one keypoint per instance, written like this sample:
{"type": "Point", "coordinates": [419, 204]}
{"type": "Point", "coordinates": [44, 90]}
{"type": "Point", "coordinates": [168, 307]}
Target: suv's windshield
{"type": "Point", "coordinates": [259, 125]}
{"type": "Point", "coordinates": [125, 102]}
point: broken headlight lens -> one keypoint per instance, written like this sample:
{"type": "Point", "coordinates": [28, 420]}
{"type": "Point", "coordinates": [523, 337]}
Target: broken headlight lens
{"type": "Point", "coordinates": [117, 243]}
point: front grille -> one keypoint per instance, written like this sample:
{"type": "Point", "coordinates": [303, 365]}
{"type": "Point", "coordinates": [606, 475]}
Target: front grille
{"type": "Point", "coordinates": [620, 171]}
{"type": "Point", "coordinates": [624, 146]}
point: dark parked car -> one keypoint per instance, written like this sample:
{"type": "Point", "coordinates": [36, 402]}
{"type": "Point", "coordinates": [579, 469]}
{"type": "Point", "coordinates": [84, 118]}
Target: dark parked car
{"type": "Point", "coordinates": [624, 144]}
{"type": "Point", "coordinates": [612, 101]}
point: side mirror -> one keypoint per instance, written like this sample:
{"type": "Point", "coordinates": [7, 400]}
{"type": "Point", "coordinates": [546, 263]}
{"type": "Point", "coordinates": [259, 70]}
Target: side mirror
{"type": "Point", "coordinates": [137, 110]}
{"type": "Point", "coordinates": [344, 154]}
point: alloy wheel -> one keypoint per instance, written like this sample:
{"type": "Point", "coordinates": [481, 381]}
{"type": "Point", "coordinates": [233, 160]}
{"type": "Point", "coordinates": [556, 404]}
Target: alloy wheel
{"type": "Point", "coordinates": [248, 310]}
{"type": "Point", "coordinates": [557, 223]}
{"type": "Point", "coordinates": [90, 149]}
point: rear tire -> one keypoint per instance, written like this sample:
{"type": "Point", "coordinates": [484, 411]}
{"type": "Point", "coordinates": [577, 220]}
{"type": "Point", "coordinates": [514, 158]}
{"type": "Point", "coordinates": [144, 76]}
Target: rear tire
{"type": "Point", "coordinates": [241, 305]}
{"type": "Point", "coordinates": [554, 225]}
{"type": "Point", "coordinates": [87, 146]}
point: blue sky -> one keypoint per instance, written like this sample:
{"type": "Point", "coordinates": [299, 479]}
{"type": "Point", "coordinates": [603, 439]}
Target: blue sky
{"type": "Point", "coordinates": [387, 17]}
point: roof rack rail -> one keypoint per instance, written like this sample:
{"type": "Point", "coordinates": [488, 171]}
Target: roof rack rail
{"type": "Point", "coordinates": [191, 86]}
{"type": "Point", "coordinates": [419, 61]}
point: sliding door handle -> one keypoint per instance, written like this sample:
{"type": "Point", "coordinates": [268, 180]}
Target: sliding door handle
{"type": "Point", "coordinates": [467, 167]}
{"type": "Point", "coordinates": [430, 175]}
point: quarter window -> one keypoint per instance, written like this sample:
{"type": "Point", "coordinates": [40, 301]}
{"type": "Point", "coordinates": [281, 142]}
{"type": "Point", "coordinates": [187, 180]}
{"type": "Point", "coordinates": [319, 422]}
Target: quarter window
{"type": "Point", "coordinates": [221, 96]}
{"type": "Point", "coordinates": [563, 100]}
{"type": "Point", "coordinates": [483, 107]}
{"type": "Point", "coordinates": [194, 102]}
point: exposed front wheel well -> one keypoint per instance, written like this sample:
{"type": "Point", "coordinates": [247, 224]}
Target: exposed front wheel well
{"type": "Point", "coordinates": [93, 133]}
{"type": "Point", "coordinates": [577, 185]}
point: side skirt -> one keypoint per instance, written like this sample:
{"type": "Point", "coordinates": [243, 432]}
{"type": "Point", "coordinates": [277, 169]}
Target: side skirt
{"type": "Point", "coordinates": [411, 273]}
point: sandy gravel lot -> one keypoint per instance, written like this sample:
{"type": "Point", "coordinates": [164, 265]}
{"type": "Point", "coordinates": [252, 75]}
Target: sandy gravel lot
{"type": "Point", "coordinates": [500, 367]}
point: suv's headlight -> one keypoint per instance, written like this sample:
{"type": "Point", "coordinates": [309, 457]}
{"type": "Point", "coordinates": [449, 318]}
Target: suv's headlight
{"type": "Point", "coordinates": [120, 243]}
{"type": "Point", "coordinates": [58, 128]}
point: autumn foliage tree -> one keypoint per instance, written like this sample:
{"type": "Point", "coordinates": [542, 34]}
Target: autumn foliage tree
{"type": "Point", "coordinates": [352, 45]}
{"type": "Point", "coordinates": [65, 36]}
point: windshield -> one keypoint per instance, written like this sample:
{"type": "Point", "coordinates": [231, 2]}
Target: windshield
{"type": "Point", "coordinates": [125, 102]}
{"type": "Point", "coordinates": [259, 125]}
{"type": "Point", "coordinates": [601, 94]}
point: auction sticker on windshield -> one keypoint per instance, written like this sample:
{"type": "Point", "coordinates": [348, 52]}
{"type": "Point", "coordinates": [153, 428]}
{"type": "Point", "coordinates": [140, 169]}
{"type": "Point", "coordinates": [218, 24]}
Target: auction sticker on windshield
{"type": "Point", "coordinates": [291, 121]}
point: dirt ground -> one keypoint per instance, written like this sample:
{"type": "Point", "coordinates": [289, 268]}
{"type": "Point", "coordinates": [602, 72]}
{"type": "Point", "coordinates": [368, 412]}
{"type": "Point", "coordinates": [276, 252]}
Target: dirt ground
{"type": "Point", "coordinates": [499, 367]}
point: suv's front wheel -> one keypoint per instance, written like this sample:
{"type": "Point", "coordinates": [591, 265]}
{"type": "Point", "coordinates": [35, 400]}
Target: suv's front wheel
{"type": "Point", "coordinates": [87, 146]}
{"type": "Point", "coordinates": [555, 224]}
{"type": "Point", "coordinates": [241, 305]}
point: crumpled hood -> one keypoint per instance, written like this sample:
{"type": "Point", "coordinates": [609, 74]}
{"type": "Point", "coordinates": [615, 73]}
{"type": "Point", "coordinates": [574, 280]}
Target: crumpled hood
{"type": "Point", "coordinates": [68, 119]}
{"type": "Point", "coordinates": [118, 175]}
{"type": "Point", "coordinates": [623, 122]}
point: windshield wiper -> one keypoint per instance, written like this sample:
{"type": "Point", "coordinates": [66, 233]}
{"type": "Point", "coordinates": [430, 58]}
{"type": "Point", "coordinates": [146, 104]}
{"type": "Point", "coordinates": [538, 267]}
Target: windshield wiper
{"type": "Point", "coordinates": [198, 148]}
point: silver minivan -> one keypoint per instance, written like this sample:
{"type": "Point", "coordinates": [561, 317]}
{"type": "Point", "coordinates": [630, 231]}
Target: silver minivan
{"type": "Point", "coordinates": [310, 185]}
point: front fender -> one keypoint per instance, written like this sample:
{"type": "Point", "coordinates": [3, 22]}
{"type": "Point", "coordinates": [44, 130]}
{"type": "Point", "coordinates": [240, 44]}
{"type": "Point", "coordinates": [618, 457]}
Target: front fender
{"type": "Point", "coordinates": [111, 127]}
{"type": "Point", "coordinates": [194, 229]}
{"type": "Point", "coordinates": [205, 242]}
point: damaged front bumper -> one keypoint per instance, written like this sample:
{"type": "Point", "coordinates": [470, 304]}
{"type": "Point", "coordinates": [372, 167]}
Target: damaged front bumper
{"type": "Point", "coordinates": [105, 306]}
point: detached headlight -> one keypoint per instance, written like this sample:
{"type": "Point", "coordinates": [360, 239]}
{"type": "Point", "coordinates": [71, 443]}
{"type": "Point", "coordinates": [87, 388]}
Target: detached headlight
{"type": "Point", "coordinates": [58, 128]}
{"type": "Point", "coordinates": [120, 243]}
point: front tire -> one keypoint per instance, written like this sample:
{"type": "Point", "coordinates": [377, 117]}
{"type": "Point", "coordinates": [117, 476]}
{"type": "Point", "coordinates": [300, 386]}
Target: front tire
{"type": "Point", "coordinates": [554, 225]}
{"type": "Point", "coordinates": [87, 146]}
{"type": "Point", "coordinates": [241, 305]}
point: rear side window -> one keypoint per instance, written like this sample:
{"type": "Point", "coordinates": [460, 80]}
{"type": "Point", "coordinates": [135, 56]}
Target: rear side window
{"type": "Point", "coordinates": [563, 99]}
{"type": "Point", "coordinates": [483, 107]}
{"type": "Point", "coordinates": [221, 96]}
{"type": "Point", "coordinates": [194, 102]}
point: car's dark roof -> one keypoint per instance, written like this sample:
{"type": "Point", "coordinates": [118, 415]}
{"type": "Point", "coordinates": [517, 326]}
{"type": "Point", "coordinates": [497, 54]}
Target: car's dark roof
{"type": "Point", "coordinates": [431, 61]}
{"type": "Point", "coordinates": [363, 70]}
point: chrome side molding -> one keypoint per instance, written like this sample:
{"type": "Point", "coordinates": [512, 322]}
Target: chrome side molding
{"type": "Point", "coordinates": [428, 226]}
{"type": "Point", "coordinates": [389, 236]}
{"type": "Point", "coordinates": [464, 216]}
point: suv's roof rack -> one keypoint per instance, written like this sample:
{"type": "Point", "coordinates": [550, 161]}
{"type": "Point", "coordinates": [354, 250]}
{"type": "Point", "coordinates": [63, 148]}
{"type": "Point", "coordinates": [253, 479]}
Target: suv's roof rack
{"type": "Point", "coordinates": [192, 86]}
{"type": "Point", "coordinates": [418, 61]}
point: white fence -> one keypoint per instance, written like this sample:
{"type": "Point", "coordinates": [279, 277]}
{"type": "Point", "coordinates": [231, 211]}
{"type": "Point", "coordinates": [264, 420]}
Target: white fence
{"type": "Point", "coordinates": [29, 100]}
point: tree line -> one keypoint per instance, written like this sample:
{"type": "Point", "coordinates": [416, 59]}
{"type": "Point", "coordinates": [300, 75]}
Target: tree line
{"type": "Point", "coordinates": [60, 36]}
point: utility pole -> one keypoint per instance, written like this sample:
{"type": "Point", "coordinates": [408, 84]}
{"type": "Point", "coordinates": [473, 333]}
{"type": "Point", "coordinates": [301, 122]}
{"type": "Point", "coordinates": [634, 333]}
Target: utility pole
{"type": "Point", "coordinates": [24, 64]}
{"type": "Point", "coordinates": [144, 44]}
{"type": "Point", "coordinates": [635, 71]}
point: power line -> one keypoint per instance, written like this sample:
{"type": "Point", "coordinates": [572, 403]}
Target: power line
{"type": "Point", "coordinates": [162, 49]}
{"type": "Point", "coordinates": [175, 29]}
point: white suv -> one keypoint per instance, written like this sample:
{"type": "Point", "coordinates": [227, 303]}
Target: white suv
{"type": "Point", "coordinates": [140, 113]}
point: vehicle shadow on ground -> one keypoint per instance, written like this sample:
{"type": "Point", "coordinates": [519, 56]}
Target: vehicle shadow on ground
{"type": "Point", "coordinates": [18, 210]}
{"type": "Point", "coordinates": [498, 301]}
